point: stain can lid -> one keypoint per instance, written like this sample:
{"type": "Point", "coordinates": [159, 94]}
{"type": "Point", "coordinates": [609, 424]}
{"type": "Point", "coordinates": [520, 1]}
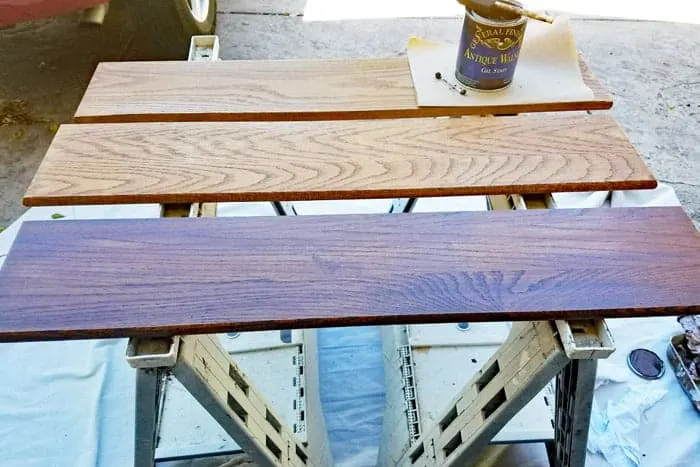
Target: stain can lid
{"type": "Point", "coordinates": [487, 10]}
{"type": "Point", "coordinates": [645, 364]}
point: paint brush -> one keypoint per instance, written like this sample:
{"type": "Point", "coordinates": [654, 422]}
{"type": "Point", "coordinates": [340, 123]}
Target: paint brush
{"type": "Point", "coordinates": [492, 8]}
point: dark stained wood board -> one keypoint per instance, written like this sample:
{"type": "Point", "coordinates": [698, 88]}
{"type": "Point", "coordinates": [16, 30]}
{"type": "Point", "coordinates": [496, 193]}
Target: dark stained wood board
{"type": "Point", "coordinates": [257, 90]}
{"type": "Point", "coordinates": [287, 161]}
{"type": "Point", "coordinates": [114, 278]}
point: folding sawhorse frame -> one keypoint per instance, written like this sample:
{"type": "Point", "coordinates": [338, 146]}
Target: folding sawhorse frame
{"type": "Point", "coordinates": [534, 353]}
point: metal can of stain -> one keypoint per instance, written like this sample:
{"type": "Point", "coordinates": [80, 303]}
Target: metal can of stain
{"type": "Point", "coordinates": [489, 49]}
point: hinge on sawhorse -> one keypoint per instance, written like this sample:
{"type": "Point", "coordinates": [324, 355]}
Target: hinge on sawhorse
{"type": "Point", "coordinates": [408, 380]}
{"type": "Point", "coordinates": [300, 401]}
{"type": "Point", "coordinates": [533, 354]}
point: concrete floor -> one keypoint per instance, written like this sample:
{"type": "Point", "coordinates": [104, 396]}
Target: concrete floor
{"type": "Point", "coordinates": [651, 69]}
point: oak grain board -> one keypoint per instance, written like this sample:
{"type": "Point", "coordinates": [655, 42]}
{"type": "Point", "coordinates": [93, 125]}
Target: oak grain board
{"type": "Point", "coordinates": [113, 278]}
{"type": "Point", "coordinates": [256, 90]}
{"type": "Point", "coordinates": [286, 161]}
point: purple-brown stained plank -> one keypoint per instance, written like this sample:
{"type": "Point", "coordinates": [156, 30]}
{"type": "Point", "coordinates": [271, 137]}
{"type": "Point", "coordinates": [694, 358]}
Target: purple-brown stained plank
{"type": "Point", "coordinates": [113, 278]}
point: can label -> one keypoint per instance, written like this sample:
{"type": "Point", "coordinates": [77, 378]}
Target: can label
{"type": "Point", "coordinates": [488, 52]}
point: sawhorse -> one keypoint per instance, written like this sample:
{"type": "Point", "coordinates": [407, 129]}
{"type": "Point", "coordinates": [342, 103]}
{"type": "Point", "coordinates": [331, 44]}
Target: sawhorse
{"type": "Point", "coordinates": [533, 355]}
{"type": "Point", "coordinates": [207, 371]}
{"type": "Point", "coordinates": [570, 359]}
{"type": "Point", "coordinates": [489, 399]}
{"type": "Point", "coordinates": [272, 442]}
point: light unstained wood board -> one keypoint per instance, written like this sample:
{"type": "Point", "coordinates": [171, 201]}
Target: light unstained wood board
{"type": "Point", "coordinates": [284, 161]}
{"type": "Point", "coordinates": [277, 90]}
{"type": "Point", "coordinates": [116, 278]}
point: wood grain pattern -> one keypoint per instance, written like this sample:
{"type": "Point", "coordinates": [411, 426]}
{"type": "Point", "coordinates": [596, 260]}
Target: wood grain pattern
{"type": "Point", "coordinates": [110, 278]}
{"type": "Point", "coordinates": [281, 161]}
{"type": "Point", "coordinates": [277, 90]}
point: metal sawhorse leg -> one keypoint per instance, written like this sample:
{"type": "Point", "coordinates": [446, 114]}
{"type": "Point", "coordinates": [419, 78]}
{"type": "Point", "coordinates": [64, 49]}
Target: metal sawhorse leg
{"type": "Point", "coordinates": [574, 400]}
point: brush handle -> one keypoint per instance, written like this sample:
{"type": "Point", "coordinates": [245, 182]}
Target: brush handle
{"type": "Point", "coordinates": [519, 11]}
